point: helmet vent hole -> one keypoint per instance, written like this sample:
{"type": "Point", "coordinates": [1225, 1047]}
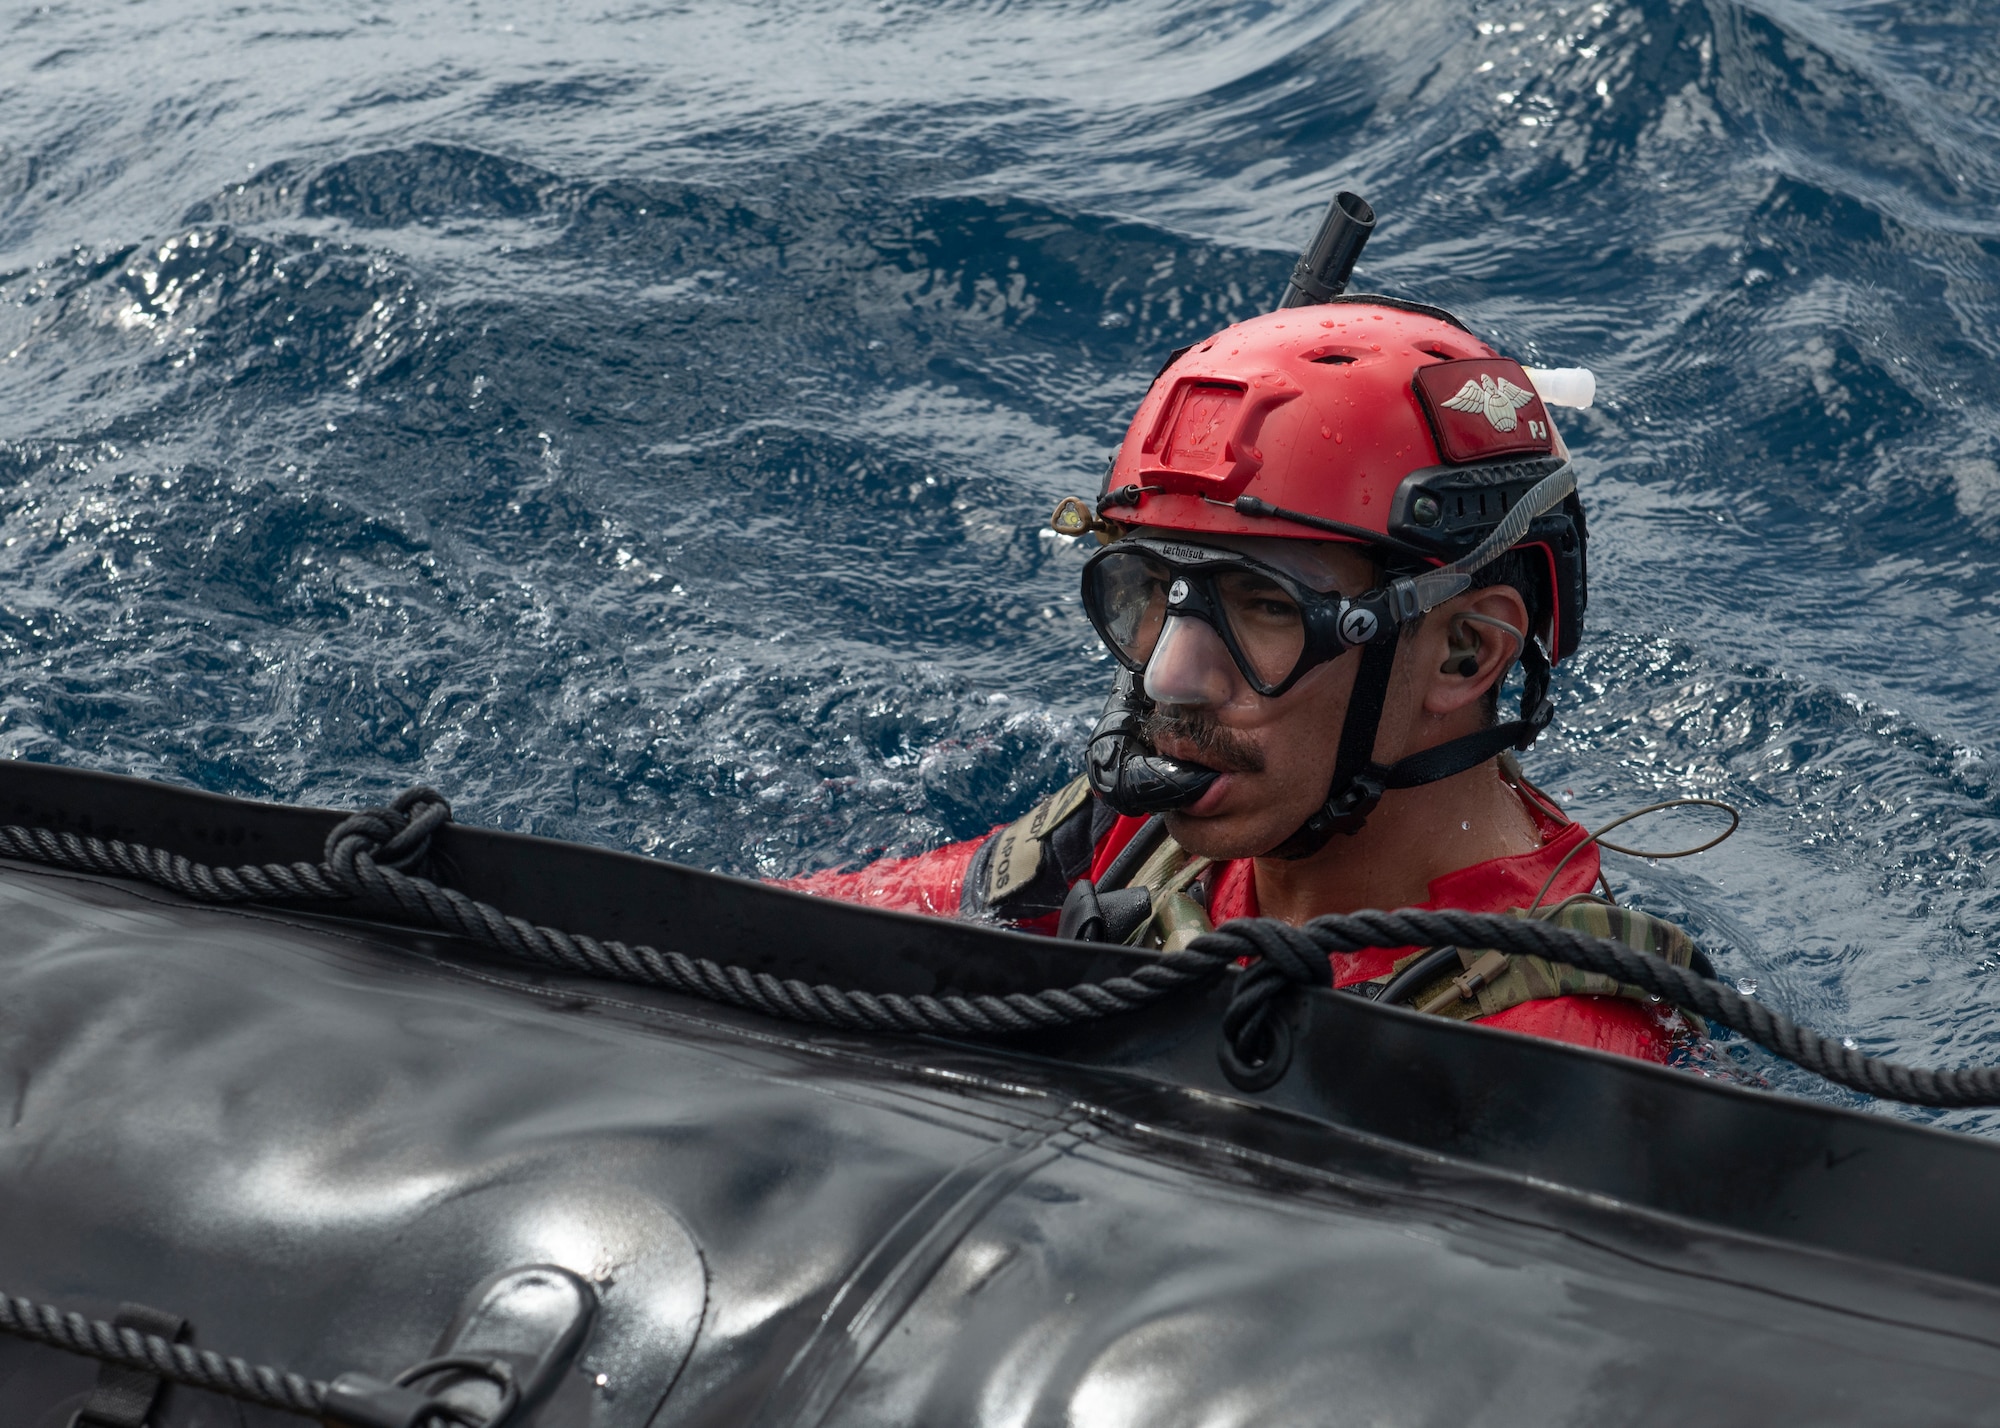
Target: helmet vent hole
{"type": "Point", "coordinates": [1334, 359]}
{"type": "Point", "coordinates": [1439, 351]}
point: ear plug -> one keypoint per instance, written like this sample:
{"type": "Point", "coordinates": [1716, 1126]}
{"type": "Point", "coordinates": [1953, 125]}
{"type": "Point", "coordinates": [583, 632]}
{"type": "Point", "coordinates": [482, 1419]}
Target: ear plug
{"type": "Point", "coordinates": [1466, 666]}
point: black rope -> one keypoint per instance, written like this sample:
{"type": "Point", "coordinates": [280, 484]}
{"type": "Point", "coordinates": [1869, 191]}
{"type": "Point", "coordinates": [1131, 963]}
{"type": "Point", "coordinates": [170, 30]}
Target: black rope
{"type": "Point", "coordinates": [1285, 956]}
{"type": "Point", "coordinates": [367, 856]}
{"type": "Point", "coordinates": [198, 1368]}
{"type": "Point", "coordinates": [356, 868]}
{"type": "Point", "coordinates": [1260, 985]}
{"type": "Point", "coordinates": [353, 1400]}
{"type": "Point", "coordinates": [268, 883]}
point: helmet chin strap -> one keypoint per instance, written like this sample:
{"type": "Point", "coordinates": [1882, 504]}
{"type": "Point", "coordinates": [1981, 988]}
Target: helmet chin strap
{"type": "Point", "coordinates": [1359, 782]}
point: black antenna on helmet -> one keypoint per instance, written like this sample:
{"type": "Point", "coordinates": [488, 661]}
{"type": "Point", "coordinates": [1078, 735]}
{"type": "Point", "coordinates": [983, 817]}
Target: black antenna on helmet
{"type": "Point", "coordinates": [1328, 261]}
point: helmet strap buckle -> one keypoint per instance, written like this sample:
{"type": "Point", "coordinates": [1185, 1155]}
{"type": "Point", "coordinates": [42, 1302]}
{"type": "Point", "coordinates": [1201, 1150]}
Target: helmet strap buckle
{"type": "Point", "coordinates": [1346, 812]}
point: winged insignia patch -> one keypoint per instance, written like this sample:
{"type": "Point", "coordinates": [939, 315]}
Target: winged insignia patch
{"type": "Point", "coordinates": [1497, 400]}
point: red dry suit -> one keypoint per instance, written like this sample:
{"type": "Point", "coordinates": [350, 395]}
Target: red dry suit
{"type": "Point", "coordinates": [948, 882]}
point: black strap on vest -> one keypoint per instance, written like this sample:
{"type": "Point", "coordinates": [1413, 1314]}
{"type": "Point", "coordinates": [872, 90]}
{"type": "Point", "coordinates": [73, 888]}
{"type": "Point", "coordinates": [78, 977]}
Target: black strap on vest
{"type": "Point", "coordinates": [124, 1397]}
{"type": "Point", "coordinates": [1359, 782]}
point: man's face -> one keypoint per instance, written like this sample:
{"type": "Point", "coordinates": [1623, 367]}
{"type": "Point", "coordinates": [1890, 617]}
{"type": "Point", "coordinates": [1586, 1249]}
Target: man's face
{"type": "Point", "coordinates": [1276, 754]}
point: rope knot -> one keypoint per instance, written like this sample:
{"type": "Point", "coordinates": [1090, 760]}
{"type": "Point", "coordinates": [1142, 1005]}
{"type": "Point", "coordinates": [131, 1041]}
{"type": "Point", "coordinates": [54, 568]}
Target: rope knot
{"type": "Point", "coordinates": [1285, 956]}
{"type": "Point", "coordinates": [397, 837]}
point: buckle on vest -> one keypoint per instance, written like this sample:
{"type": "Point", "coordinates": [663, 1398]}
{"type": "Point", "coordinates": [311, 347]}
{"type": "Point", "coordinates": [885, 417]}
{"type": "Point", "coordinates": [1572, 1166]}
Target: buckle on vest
{"type": "Point", "coordinates": [1463, 988]}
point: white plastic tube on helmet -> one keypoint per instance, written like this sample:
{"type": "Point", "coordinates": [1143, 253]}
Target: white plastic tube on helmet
{"type": "Point", "coordinates": [1564, 386]}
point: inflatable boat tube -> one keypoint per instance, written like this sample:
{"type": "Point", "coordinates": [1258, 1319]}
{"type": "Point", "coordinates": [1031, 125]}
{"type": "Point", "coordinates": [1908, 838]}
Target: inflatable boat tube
{"type": "Point", "coordinates": [341, 1145]}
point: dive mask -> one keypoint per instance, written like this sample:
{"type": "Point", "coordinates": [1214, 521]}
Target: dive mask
{"type": "Point", "coordinates": [1275, 626]}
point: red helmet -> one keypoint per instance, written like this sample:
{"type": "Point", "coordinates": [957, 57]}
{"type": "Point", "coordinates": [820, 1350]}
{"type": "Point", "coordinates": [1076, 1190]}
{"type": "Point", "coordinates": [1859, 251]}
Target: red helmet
{"type": "Point", "coordinates": [1365, 419]}
{"type": "Point", "coordinates": [1362, 418]}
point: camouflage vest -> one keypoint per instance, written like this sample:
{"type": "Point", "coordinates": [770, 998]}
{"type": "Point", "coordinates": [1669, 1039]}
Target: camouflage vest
{"type": "Point", "coordinates": [1173, 876]}
{"type": "Point", "coordinates": [1529, 978]}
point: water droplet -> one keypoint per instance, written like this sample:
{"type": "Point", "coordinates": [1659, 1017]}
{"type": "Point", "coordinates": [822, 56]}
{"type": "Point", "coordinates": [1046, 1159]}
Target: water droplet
{"type": "Point", "coordinates": [1747, 986]}
{"type": "Point", "coordinates": [1466, 826]}
{"type": "Point", "coordinates": [1848, 1042]}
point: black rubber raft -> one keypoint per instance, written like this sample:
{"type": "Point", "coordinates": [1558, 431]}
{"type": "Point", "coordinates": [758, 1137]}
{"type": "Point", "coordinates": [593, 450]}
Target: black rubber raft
{"type": "Point", "coordinates": [333, 1144]}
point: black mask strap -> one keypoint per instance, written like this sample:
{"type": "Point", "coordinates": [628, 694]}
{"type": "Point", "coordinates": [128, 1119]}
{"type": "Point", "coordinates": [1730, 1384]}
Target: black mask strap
{"type": "Point", "coordinates": [1537, 709]}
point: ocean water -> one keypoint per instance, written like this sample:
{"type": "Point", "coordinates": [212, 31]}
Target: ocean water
{"type": "Point", "coordinates": [638, 420]}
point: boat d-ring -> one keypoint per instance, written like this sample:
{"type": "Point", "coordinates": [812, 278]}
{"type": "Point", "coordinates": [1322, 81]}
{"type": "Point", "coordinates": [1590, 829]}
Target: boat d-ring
{"type": "Point", "coordinates": [497, 1372]}
{"type": "Point", "coordinates": [1264, 1074]}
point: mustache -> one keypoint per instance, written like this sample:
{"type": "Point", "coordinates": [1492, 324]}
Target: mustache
{"type": "Point", "coordinates": [1221, 748]}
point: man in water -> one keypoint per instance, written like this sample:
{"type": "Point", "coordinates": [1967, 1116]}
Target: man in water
{"type": "Point", "coordinates": [1328, 536]}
